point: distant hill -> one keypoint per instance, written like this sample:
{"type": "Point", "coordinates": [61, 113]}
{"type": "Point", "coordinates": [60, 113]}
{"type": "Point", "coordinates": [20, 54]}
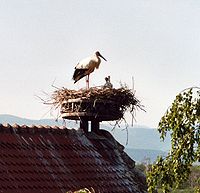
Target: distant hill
{"type": "Point", "coordinates": [143, 142]}
{"type": "Point", "coordinates": [142, 155]}
{"type": "Point", "coordinates": [11, 119]}
{"type": "Point", "coordinates": [140, 138]}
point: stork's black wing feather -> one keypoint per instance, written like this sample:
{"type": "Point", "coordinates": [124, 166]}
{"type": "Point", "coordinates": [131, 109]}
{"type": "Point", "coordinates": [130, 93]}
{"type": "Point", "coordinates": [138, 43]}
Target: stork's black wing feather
{"type": "Point", "coordinates": [78, 74]}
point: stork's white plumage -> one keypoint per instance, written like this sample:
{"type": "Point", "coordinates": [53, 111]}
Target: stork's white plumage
{"type": "Point", "coordinates": [87, 66]}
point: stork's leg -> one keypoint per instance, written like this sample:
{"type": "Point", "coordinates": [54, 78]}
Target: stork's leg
{"type": "Point", "coordinates": [87, 82]}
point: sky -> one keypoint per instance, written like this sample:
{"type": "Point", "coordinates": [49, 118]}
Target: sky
{"type": "Point", "coordinates": [157, 42]}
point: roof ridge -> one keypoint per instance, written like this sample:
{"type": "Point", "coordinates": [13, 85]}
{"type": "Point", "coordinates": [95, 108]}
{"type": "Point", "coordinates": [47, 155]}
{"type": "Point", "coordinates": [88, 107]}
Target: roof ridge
{"type": "Point", "coordinates": [33, 129]}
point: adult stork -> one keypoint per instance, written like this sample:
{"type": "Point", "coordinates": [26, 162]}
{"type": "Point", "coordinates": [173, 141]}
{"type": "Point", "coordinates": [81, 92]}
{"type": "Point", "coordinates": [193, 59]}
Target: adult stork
{"type": "Point", "coordinates": [87, 66]}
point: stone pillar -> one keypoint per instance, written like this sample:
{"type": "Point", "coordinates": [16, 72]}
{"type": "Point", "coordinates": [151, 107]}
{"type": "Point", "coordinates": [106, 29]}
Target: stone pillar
{"type": "Point", "coordinates": [94, 125]}
{"type": "Point", "coordinates": [84, 124]}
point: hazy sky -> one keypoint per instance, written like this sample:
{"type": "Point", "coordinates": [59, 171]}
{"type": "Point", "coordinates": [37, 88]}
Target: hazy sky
{"type": "Point", "coordinates": [155, 41]}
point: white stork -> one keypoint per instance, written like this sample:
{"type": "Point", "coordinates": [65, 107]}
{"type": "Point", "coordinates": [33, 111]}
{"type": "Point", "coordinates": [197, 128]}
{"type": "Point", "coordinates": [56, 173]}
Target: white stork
{"type": "Point", "coordinates": [87, 66]}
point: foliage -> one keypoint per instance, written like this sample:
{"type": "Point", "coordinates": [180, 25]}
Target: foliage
{"type": "Point", "coordinates": [187, 190]}
{"type": "Point", "coordinates": [182, 121]}
{"type": "Point", "coordinates": [84, 190]}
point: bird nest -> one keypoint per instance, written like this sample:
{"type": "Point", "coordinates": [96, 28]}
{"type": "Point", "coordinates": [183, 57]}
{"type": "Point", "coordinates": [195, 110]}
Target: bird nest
{"type": "Point", "coordinates": [103, 104]}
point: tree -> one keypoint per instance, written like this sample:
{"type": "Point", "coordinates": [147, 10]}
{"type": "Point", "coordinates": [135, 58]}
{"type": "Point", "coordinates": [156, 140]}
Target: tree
{"type": "Point", "coordinates": [182, 121]}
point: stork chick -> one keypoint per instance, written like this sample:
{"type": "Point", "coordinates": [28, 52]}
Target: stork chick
{"type": "Point", "coordinates": [108, 84]}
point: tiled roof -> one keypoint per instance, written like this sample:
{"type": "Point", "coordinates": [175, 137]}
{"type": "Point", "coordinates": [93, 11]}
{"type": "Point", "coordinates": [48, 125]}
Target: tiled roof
{"type": "Point", "coordinates": [54, 160]}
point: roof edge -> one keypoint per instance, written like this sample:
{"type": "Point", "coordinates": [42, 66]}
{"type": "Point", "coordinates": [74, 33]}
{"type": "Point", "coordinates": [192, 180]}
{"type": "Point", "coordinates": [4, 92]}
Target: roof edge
{"type": "Point", "coordinates": [33, 129]}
